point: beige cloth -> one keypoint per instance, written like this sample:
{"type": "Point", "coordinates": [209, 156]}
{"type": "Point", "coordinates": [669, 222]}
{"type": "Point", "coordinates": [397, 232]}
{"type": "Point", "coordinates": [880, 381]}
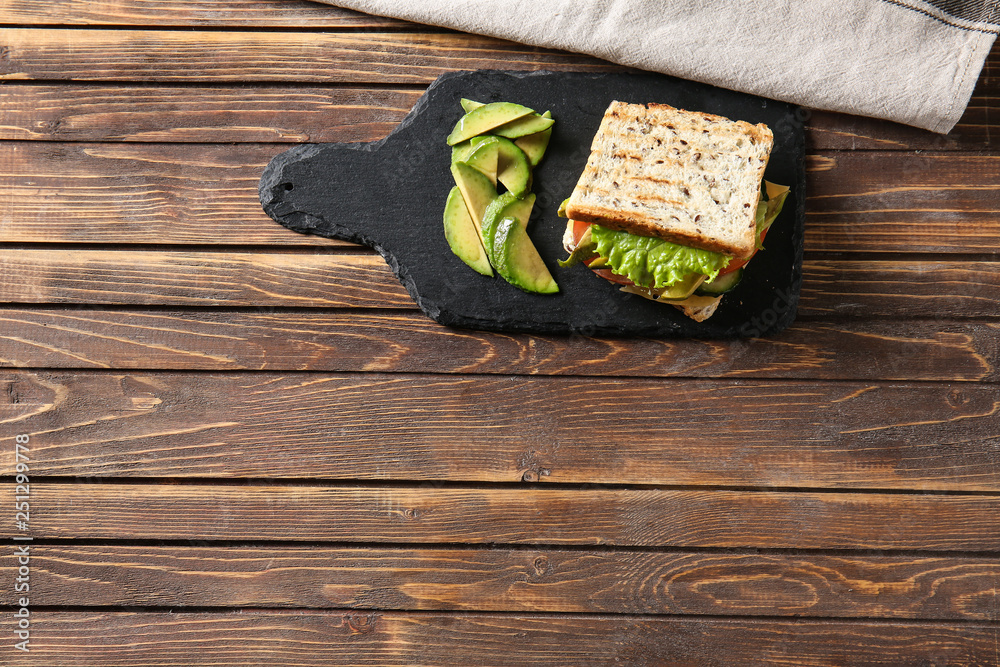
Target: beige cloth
{"type": "Point", "coordinates": [902, 60]}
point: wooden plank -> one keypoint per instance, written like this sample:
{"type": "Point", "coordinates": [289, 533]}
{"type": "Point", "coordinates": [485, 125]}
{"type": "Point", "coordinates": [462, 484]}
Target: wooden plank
{"type": "Point", "coordinates": [303, 279]}
{"type": "Point", "coordinates": [989, 77]}
{"type": "Point", "coordinates": [137, 639]}
{"type": "Point", "coordinates": [976, 130]}
{"type": "Point", "coordinates": [512, 515]}
{"type": "Point", "coordinates": [519, 580]}
{"type": "Point", "coordinates": [408, 342]}
{"type": "Point", "coordinates": [303, 113]}
{"type": "Point", "coordinates": [900, 289]}
{"type": "Point", "coordinates": [504, 429]}
{"type": "Point", "coordinates": [158, 193]}
{"type": "Point", "coordinates": [189, 13]}
{"type": "Point", "coordinates": [239, 114]}
{"type": "Point", "coordinates": [241, 57]}
{"type": "Point", "coordinates": [865, 200]}
{"type": "Point", "coordinates": [885, 201]}
{"type": "Point", "coordinates": [877, 288]}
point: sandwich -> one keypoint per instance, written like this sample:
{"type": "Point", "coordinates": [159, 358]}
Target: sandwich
{"type": "Point", "coordinates": [672, 204]}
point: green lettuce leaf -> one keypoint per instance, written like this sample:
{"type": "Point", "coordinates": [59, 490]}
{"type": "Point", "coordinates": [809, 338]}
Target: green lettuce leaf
{"type": "Point", "coordinates": [652, 262]}
{"type": "Point", "coordinates": [655, 263]}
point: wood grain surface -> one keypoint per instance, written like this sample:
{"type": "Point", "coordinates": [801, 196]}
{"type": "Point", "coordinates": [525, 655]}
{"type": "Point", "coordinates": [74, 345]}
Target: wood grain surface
{"type": "Point", "coordinates": [588, 580]}
{"type": "Point", "coordinates": [197, 113]}
{"type": "Point", "coordinates": [392, 514]}
{"type": "Point", "coordinates": [266, 56]}
{"type": "Point", "coordinates": [317, 278]}
{"type": "Point", "coordinates": [409, 342]}
{"type": "Point", "coordinates": [313, 278]}
{"type": "Point", "coordinates": [191, 13]}
{"type": "Point", "coordinates": [477, 428]}
{"type": "Point", "coordinates": [138, 639]}
{"type": "Point", "coordinates": [248, 447]}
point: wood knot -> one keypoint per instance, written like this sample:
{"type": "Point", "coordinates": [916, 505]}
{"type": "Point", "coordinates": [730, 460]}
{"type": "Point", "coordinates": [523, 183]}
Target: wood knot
{"type": "Point", "coordinates": [361, 625]}
{"type": "Point", "coordinates": [6, 65]}
{"type": "Point", "coordinates": [411, 513]}
{"type": "Point", "coordinates": [956, 398]}
{"type": "Point", "coordinates": [50, 126]}
{"type": "Point", "coordinates": [541, 565]}
{"type": "Point", "coordinates": [535, 475]}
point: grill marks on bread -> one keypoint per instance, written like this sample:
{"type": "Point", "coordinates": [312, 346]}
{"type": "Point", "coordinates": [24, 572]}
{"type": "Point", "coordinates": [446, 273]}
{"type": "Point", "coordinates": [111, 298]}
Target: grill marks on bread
{"type": "Point", "coordinates": [688, 177]}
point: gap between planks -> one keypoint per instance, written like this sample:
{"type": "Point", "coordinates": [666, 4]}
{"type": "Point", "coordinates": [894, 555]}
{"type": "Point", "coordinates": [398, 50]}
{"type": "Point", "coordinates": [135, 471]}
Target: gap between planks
{"type": "Point", "coordinates": [543, 516]}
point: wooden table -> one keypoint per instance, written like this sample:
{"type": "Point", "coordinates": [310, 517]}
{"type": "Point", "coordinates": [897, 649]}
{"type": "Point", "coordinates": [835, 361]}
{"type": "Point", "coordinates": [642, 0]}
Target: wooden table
{"type": "Point", "coordinates": [247, 446]}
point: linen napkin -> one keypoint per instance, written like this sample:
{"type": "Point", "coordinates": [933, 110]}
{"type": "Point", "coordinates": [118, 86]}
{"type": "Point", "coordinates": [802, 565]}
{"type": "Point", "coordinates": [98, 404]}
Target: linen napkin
{"type": "Point", "coordinates": [904, 60]}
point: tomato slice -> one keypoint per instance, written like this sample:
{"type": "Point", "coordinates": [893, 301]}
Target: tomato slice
{"type": "Point", "coordinates": [740, 263]}
{"type": "Point", "coordinates": [579, 227]}
{"type": "Point", "coordinates": [608, 274]}
{"type": "Point", "coordinates": [735, 264]}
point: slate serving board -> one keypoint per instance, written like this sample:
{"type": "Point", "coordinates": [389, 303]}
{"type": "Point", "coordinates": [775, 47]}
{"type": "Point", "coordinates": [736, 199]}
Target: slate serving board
{"type": "Point", "coordinates": [390, 195]}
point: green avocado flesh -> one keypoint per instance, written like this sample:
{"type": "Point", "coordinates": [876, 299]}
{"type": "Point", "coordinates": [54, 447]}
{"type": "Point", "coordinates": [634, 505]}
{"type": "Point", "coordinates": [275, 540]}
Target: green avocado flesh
{"type": "Point", "coordinates": [518, 261]}
{"type": "Point", "coordinates": [513, 167]}
{"type": "Point", "coordinates": [521, 127]}
{"type": "Point", "coordinates": [504, 206]}
{"type": "Point", "coordinates": [534, 145]}
{"type": "Point", "coordinates": [495, 146]}
{"type": "Point", "coordinates": [462, 233]}
{"type": "Point", "coordinates": [486, 158]}
{"type": "Point", "coordinates": [461, 151]}
{"type": "Point", "coordinates": [469, 105]}
{"type": "Point", "coordinates": [487, 118]}
{"type": "Point", "coordinates": [476, 189]}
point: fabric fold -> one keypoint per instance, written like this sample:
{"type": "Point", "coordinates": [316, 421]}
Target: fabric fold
{"type": "Point", "coordinates": [902, 60]}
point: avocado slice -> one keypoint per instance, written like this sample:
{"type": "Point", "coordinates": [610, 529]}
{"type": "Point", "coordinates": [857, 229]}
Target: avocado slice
{"type": "Point", "coordinates": [485, 157]}
{"type": "Point", "coordinates": [521, 126]}
{"type": "Point", "coordinates": [534, 145]}
{"type": "Point", "coordinates": [460, 152]}
{"type": "Point", "coordinates": [485, 118]}
{"type": "Point", "coordinates": [476, 189]}
{"type": "Point", "coordinates": [682, 289]}
{"type": "Point", "coordinates": [513, 167]}
{"type": "Point", "coordinates": [462, 233]}
{"type": "Point", "coordinates": [506, 205]}
{"type": "Point", "coordinates": [468, 105]}
{"type": "Point", "coordinates": [518, 261]}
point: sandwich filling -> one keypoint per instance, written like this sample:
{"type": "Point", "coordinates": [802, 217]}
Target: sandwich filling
{"type": "Point", "coordinates": [663, 270]}
{"type": "Point", "coordinates": [672, 203]}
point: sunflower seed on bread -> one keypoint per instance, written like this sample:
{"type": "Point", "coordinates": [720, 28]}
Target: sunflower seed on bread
{"type": "Point", "coordinates": [688, 177]}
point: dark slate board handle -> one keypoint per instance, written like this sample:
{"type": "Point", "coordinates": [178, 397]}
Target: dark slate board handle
{"type": "Point", "coordinates": [289, 186]}
{"type": "Point", "coordinates": [366, 193]}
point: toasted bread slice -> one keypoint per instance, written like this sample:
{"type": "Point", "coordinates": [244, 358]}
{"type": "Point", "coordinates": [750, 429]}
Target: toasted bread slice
{"type": "Point", "coordinates": [688, 177]}
{"type": "Point", "coordinates": [700, 310]}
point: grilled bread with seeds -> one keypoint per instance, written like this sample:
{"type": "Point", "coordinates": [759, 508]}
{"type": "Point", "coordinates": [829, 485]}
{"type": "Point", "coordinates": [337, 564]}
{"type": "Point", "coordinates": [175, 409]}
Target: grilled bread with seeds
{"type": "Point", "coordinates": [688, 177]}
